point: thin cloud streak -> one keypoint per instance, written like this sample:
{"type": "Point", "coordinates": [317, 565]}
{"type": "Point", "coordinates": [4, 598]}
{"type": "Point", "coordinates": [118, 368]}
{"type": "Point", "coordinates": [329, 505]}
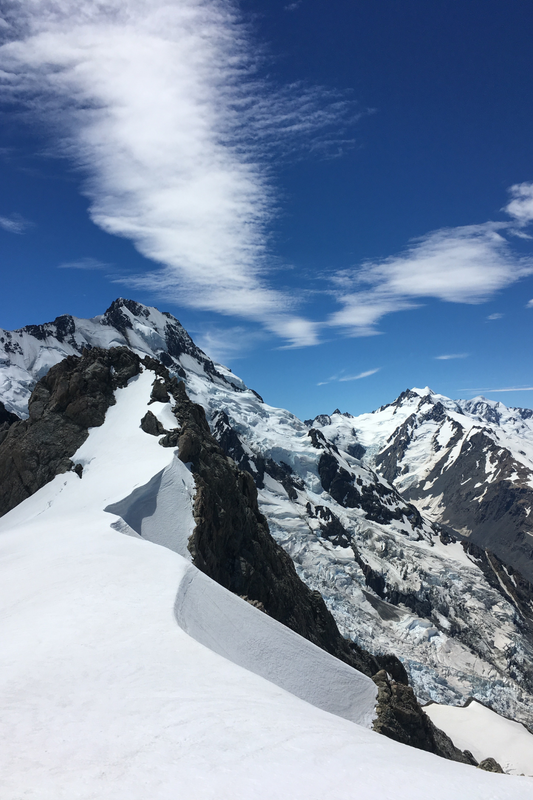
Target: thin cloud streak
{"type": "Point", "coordinates": [366, 374]}
{"type": "Point", "coordinates": [451, 356]}
{"type": "Point", "coordinates": [341, 378]}
{"type": "Point", "coordinates": [88, 264]}
{"type": "Point", "coordinates": [511, 389]}
{"type": "Point", "coordinates": [159, 106]}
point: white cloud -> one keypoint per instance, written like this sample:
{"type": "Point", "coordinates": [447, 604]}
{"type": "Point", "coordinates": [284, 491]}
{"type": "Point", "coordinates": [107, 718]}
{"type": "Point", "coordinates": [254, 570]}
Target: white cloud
{"type": "Point", "coordinates": [510, 389]}
{"type": "Point", "coordinates": [342, 378]}
{"type": "Point", "coordinates": [521, 206]}
{"type": "Point", "coordinates": [15, 224]}
{"type": "Point", "coordinates": [451, 356]}
{"type": "Point", "coordinates": [84, 264]}
{"type": "Point", "coordinates": [529, 304]}
{"type": "Point", "coordinates": [469, 264]}
{"type": "Point", "coordinates": [497, 315]}
{"type": "Point", "coordinates": [366, 374]}
{"type": "Point", "coordinates": [160, 106]}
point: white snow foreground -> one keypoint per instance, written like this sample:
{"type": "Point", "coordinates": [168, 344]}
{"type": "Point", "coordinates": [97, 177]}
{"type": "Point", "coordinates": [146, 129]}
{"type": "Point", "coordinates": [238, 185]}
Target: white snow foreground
{"type": "Point", "coordinates": [105, 696]}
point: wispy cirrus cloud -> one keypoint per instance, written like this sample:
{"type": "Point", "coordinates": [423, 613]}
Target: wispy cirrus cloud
{"type": "Point", "coordinates": [451, 356]}
{"type": "Point", "coordinates": [496, 315]}
{"type": "Point", "coordinates": [484, 390]}
{"type": "Point", "coordinates": [160, 106]}
{"type": "Point", "coordinates": [469, 264]}
{"type": "Point", "coordinates": [89, 264]}
{"type": "Point", "coordinates": [358, 377]}
{"type": "Point", "coordinates": [342, 378]}
{"type": "Point", "coordinates": [15, 223]}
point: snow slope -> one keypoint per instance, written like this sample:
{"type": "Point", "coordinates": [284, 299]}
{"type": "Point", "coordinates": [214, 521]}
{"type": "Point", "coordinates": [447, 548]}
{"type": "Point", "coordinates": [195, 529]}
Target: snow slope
{"type": "Point", "coordinates": [106, 696]}
{"type": "Point", "coordinates": [480, 730]}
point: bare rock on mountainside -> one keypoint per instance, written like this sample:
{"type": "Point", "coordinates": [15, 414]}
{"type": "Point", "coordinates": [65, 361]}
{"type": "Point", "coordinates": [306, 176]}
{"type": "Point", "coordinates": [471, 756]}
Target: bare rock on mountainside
{"type": "Point", "coordinates": [72, 397]}
{"type": "Point", "coordinates": [7, 419]}
{"type": "Point", "coordinates": [400, 717]}
{"type": "Point", "coordinates": [490, 765]}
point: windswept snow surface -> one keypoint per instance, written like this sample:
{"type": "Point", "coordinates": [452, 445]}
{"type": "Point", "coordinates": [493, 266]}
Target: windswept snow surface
{"type": "Point", "coordinates": [234, 629]}
{"type": "Point", "coordinates": [481, 731]}
{"type": "Point", "coordinates": [105, 696]}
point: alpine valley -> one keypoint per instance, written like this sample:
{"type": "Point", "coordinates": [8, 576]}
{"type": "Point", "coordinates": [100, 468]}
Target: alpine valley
{"type": "Point", "coordinates": [206, 597]}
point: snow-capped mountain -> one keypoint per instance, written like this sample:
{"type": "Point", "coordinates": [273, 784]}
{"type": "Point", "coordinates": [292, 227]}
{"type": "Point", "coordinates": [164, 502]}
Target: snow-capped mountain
{"type": "Point", "coordinates": [467, 464]}
{"type": "Point", "coordinates": [457, 617]}
{"type": "Point", "coordinates": [126, 671]}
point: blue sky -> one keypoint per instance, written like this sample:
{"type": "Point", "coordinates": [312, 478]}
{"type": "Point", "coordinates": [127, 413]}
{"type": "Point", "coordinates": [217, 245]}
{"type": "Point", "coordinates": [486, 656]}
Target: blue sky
{"type": "Point", "coordinates": [335, 198]}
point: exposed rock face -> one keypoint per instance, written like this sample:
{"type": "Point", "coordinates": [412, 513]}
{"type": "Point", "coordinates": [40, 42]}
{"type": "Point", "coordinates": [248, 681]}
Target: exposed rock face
{"type": "Point", "coordinates": [508, 581]}
{"type": "Point", "coordinates": [7, 419]}
{"type": "Point", "coordinates": [150, 424]}
{"type": "Point", "coordinates": [400, 717]}
{"type": "Point", "coordinates": [72, 397]}
{"type": "Point", "coordinates": [490, 765]}
{"type": "Point", "coordinates": [485, 490]}
{"type": "Point", "coordinates": [232, 544]}
{"type": "Point", "coordinates": [379, 502]}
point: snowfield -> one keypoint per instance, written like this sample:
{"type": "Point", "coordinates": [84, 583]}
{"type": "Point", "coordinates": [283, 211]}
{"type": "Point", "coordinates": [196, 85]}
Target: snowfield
{"type": "Point", "coordinates": [107, 696]}
{"type": "Point", "coordinates": [480, 730]}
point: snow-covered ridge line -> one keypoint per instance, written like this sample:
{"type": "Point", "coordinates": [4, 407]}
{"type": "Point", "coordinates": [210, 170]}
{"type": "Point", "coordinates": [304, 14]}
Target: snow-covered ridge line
{"type": "Point", "coordinates": [427, 601]}
{"type": "Point", "coordinates": [98, 676]}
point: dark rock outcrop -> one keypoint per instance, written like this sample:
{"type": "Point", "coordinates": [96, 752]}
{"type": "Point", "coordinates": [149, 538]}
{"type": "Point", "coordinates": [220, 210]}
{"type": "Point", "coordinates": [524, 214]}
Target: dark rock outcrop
{"type": "Point", "coordinates": [254, 463]}
{"type": "Point", "coordinates": [7, 419]}
{"type": "Point", "coordinates": [400, 717]}
{"type": "Point", "coordinates": [372, 499]}
{"type": "Point", "coordinates": [490, 765]}
{"type": "Point", "coordinates": [72, 397]}
{"type": "Point", "coordinates": [232, 544]}
{"type": "Point", "coordinates": [150, 424]}
{"type": "Point", "coordinates": [505, 579]}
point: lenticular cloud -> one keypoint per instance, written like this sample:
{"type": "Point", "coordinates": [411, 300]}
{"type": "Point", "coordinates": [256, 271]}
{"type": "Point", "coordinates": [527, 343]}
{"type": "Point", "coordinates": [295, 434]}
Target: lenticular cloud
{"type": "Point", "coordinates": [151, 100]}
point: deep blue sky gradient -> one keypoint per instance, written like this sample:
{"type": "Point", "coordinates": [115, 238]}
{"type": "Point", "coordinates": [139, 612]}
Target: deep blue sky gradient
{"type": "Point", "coordinates": [445, 93]}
